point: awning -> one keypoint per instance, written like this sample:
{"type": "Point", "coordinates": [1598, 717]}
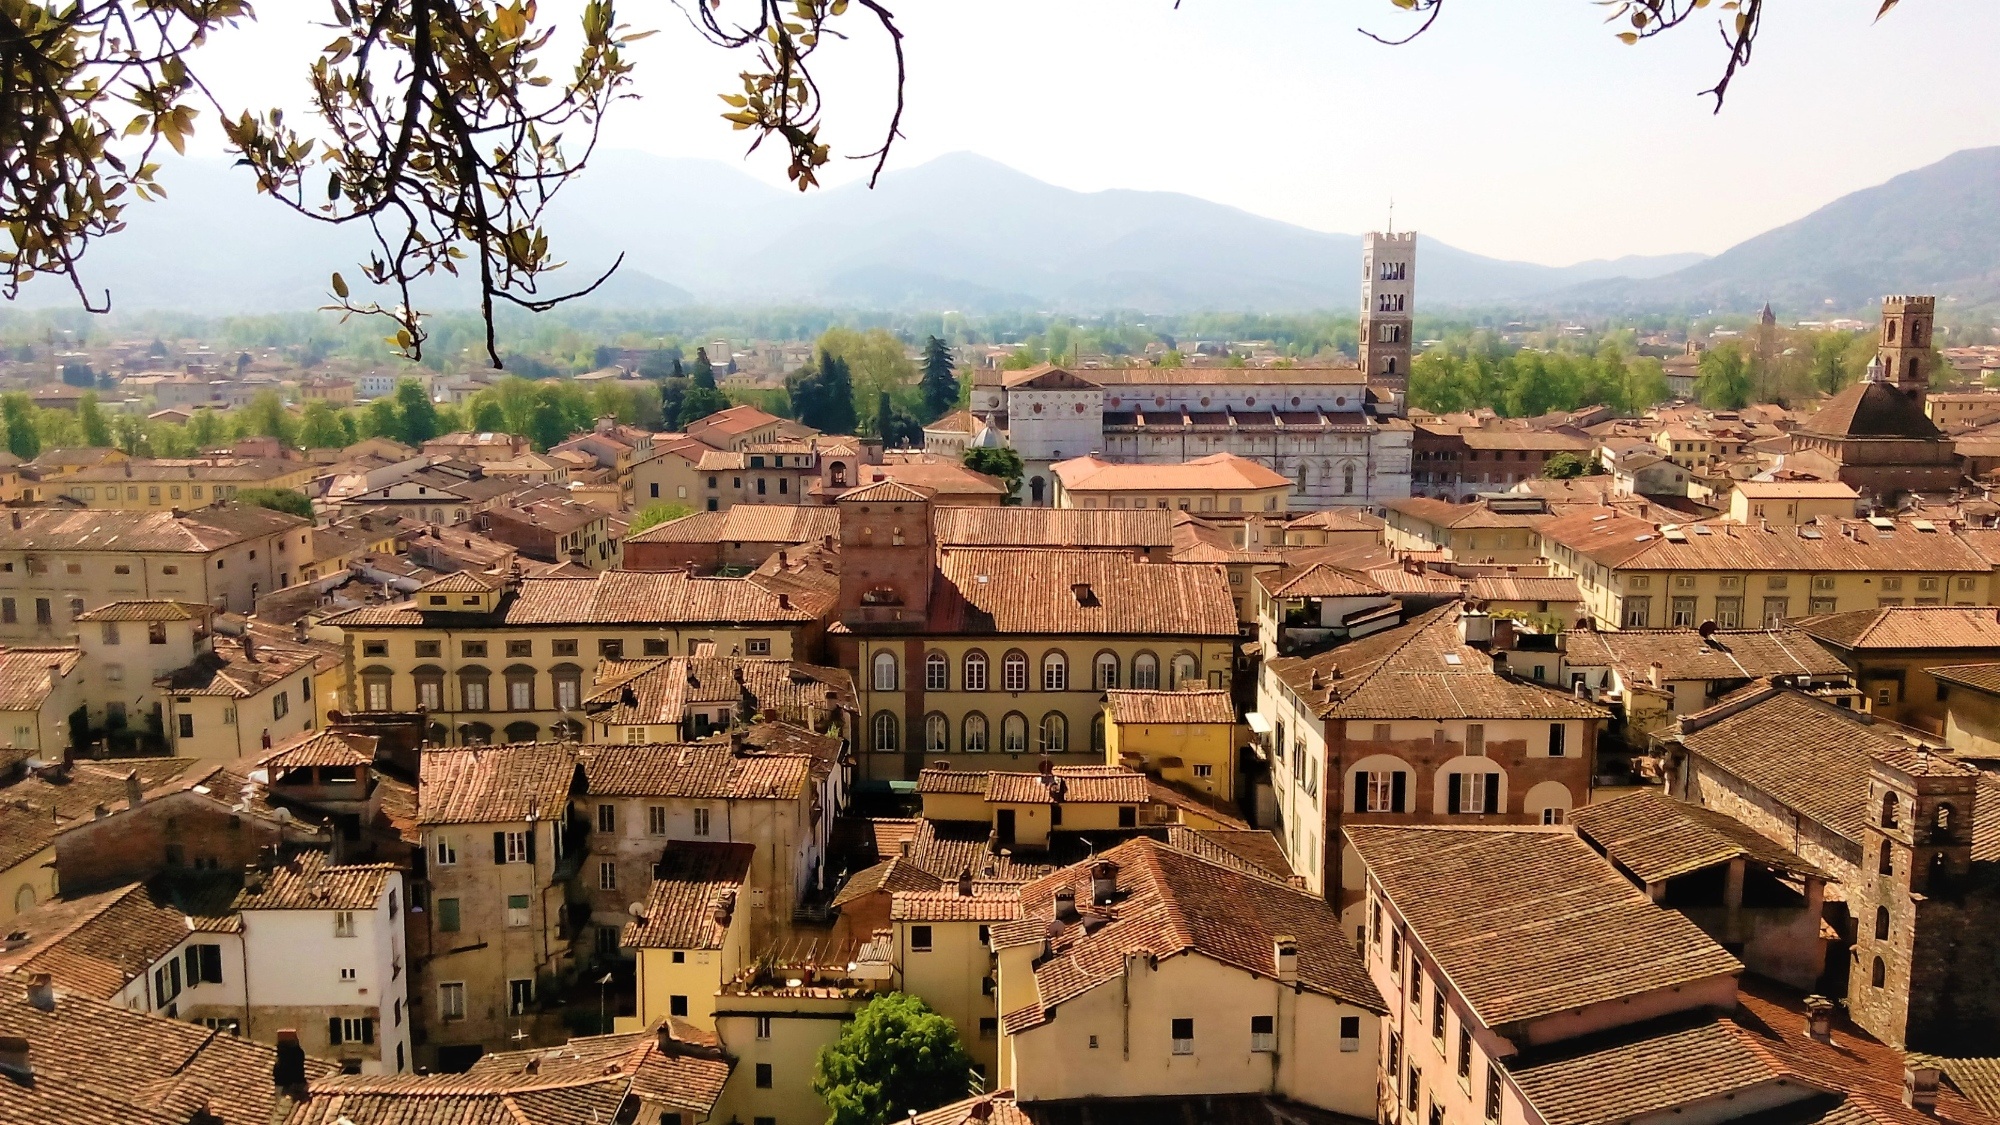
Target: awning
{"type": "Point", "coordinates": [1257, 722]}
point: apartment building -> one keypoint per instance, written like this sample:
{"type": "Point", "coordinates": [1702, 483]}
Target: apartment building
{"type": "Point", "coordinates": [56, 563]}
{"type": "Point", "coordinates": [495, 829]}
{"type": "Point", "coordinates": [39, 691]}
{"type": "Point", "coordinates": [1496, 530]}
{"type": "Point", "coordinates": [1219, 483]}
{"type": "Point", "coordinates": [690, 934]}
{"type": "Point", "coordinates": [160, 484]}
{"type": "Point", "coordinates": [1637, 574]}
{"type": "Point", "coordinates": [493, 658]}
{"type": "Point", "coordinates": [1150, 972]}
{"type": "Point", "coordinates": [683, 698]}
{"type": "Point", "coordinates": [1891, 652]}
{"type": "Point", "coordinates": [964, 652]}
{"type": "Point", "coordinates": [1429, 722]}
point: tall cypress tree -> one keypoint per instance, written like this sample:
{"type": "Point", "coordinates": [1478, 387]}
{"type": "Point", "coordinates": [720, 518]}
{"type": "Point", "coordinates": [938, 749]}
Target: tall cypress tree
{"type": "Point", "coordinates": [940, 382]}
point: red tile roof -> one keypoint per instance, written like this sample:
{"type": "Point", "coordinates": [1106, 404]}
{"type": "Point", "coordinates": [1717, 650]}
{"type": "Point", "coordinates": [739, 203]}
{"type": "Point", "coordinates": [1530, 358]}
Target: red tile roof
{"type": "Point", "coordinates": [695, 889]}
{"type": "Point", "coordinates": [495, 784]}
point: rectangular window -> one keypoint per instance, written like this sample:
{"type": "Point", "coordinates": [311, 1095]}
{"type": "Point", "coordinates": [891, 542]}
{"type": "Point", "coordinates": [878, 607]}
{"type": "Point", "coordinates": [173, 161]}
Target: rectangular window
{"type": "Point", "coordinates": [607, 875]}
{"type": "Point", "coordinates": [1183, 1035]}
{"type": "Point", "coordinates": [186, 725]}
{"type": "Point", "coordinates": [472, 650]}
{"type": "Point", "coordinates": [446, 853]}
{"type": "Point", "coordinates": [1638, 612]}
{"type": "Point", "coordinates": [343, 923]}
{"type": "Point", "coordinates": [763, 1027]}
{"type": "Point", "coordinates": [1437, 1014]}
{"type": "Point", "coordinates": [763, 1076]}
{"type": "Point", "coordinates": [520, 995]}
{"type": "Point", "coordinates": [701, 822]}
{"type": "Point", "coordinates": [656, 820]}
{"type": "Point", "coordinates": [521, 648]}
{"type": "Point", "coordinates": [1492, 1091]}
{"type": "Point", "coordinates": [517, 910]}
{"type": "Point", "coordinates": [447, 914]}
{"type": "Point", "coordinates": [562, 648]}
{"type": "Point", "coordinates": [1684, 612]}
{"type": "Point", "coordinates": [428, 650]}
{"type": "Point", "coordinates": [1262, 1036]}
{"type": "Point", "coordinates": [611, 649]}
{"type": "Point", "coordinates": [1464, 1050]}
{"type": "Point", "coordinates": [607, 818]}
{"type": "Point", "coordinates": [1414, 1093]}
{"type": "Point", "coordinates": [920, 939]}
{"type": "Point", "coordinates": [654, 646]}
{"type": "Point", "coordinates": [1350, 1033]}
{"type": "Point", "coordinates": [1475, 739]}
{"type": "Point", "coordinates": [677, 1006]}
{"type": "Point", "coordinates": [1776, 610]}
{"type": "Point", "coordinates": [1557, 732]}
{"type": "Point", "coordinates": [1729, 612]}
{"type": "Point", "coordinates": [515, 847]}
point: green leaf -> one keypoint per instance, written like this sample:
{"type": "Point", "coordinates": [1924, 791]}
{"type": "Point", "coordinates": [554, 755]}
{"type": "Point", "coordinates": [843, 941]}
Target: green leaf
{"type": "Point", "coordinates": [339, 286]}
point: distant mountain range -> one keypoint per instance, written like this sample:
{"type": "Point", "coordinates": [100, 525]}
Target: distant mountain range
{"type": "Point", "coordinates": [963, 232]}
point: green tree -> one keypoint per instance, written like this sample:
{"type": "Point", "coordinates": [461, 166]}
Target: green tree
{"type": "Point", "coordinates": [23, 439]}
{"type": "Point", "coordinates": [204, 428]}
{"type": "Point", "coordinates": [546, 425]}
{"type": "Point", "coordinates": [1001, 462]}
{"type": "Point", "coordinates": [417, 417]}
{"type": "Point", "coordinates": [897, 427]}
{"type": "Point", "coordinates": [699, 402]}
{"type": "Point", "coordinates": [940, 382]}
{"type": "Point", "coordinates": [894, 1058]}
{"type": "Point", "coordinates": [266, 416]}
{"type": "Point", "coordinates": [822, 394]}
{"type": "Point", "coordinates": [876, 362]}
{"type": "Point", "coordinates": [78, 374]}
{"type": "Point", "coordinates": [319, 426]}
{"type": "Point", "coordinates": [289, 500]}
{"type": "Point", "coordinates": [703, 372]}
{"type": "Point", "coordinates": [659, 513]}
{"type": "Point", "coordinates": [96, 431]}
{"type": "Point", "coordinates": [1563, 466]}
{"type": "Point", "coordinates": [487, 417]}
{"type": "Point", "coordinates": [1724, 382]}
{"type": "Point", "coordinates": [381, 419]}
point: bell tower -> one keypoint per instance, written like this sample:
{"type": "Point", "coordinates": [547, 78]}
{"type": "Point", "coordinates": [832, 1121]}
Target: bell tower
{"type": "Point", "coordinates": [1905, 348]}
{"type": "Point", "coordinates": [886, 559]}
{"type": "Point", "coordinates": [1917, 847]}
{"type": "Point", "coordinates": [1388, 302]}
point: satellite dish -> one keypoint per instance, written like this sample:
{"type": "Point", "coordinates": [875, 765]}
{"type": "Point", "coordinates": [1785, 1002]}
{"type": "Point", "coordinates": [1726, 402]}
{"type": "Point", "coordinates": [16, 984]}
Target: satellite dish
{"type": "Point", "coordinates": [1707, 629]}
{"type": "Point", "coordinates": [636, 910]}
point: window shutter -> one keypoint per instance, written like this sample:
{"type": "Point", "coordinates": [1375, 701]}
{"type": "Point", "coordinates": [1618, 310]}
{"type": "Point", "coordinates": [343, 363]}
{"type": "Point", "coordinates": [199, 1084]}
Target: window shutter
{"type": "Point", "coordinates": [1493, 793]}
{"type": "Point", "coordinates": [1397, 791]}
{"type": "Point", "coordinates": [1452, 789]}
{"type": "Point", "coordinates": [531, 841]}
{"type": "Point", "coordinates": [368, 1031]}
{"type": "Point", "coordinates": [193, 958]}
{"type": "Point", "coordinates": [1361, 791]}
{"type": "Point", "coordinates": [333, 1030]}
{"type": "Point", "coordinates": [499, 847]}
{"type": "Point", "coordinates": [211, 963]}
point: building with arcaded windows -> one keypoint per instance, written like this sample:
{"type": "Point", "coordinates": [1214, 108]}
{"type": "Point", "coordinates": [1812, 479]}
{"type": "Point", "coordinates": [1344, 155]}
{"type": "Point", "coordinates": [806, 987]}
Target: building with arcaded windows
{"type": "Point", "coordinates": [1420, 724]}
{"type": "Point", "coordinates": [962, 653]}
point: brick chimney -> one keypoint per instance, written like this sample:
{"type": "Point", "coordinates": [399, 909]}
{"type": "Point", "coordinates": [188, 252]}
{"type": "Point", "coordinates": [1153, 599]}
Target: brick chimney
{"type": "Point", "coordinates": [1285, 958]}
{"type": "Point", "coordinates": [1920, 1085]}
{"type": "Point", "coordinates": [965, 882]}
{"type": "Point", "coordinates": [135, 793]}
{"type": "Point", "coordinates": [42, 992]}
{"type": "Point", "coordinates": [1819, 1018]}
{"type": "Point", "coordinates": [288, 1073]}
{"type": "Point", "coordinates": [1103, 882]}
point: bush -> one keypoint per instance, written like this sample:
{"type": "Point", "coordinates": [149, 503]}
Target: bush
{"type": "Point", "coordinates": [289, 500]}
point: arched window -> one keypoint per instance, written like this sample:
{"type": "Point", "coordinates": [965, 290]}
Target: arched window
{"type": "Point", "coordinates": [1036, 486]}
{"type": "Point", "coordinates": [1389, 368]}
{"type": "Point", "coordinates": [475, 734]}
{"type": "Point", "coordinates": [1886, 865]}
{"type": "Point", "coordinates": [1941, 822]}
{"type": "Point", "coordinates": [1055, 733]}
{"type": "Point", "coordinates": [1146, 671]}
{"type": "Point", "coordinates": [1104, 672]}
{"type": "Point", "coordinates": [885, 671]}
{"type": "Point", "coordinates": [1891, 810]}
{"type": "Point", "coordinates": [1347, 474]}
{"type": "Point", "coordinates": [1910, 369]}
{"type": "Point", "coordinates": [975, 733]}
{"type": "Point", "coordinates": [1055, 672]}
{"type": "Point", "coordinates": [1890, 328]}
{"type": "Point", "coordinates": [937, 672]}
{"type": "Point", "coordinates": [1014, 672]}
{"type": "Point", "coordinates": [885, 731]}
{"type": "Point", "coordinates": [1014, 733]}
{"type": "Point", "coordinates": [937, 733]}
{"type": "Point", "coordinates": [1476, 788]}
{"type": "Point", "coordinates": [1881, 923]}
{"type": "Point", "coordinates": [523, 732]}
{"type": "Point", "coordinates": [838, 474]}
{"type": "Point", "coordinates": [1879, 975]}
{"type": "Point", "coordinates": [24, 899]}
{"type": "Point", "coordinates": [1097, 725]}
{"type": "Point", "coordinates": [975, 671]}
{"type": "Point", "coordinates": [1186, 668]}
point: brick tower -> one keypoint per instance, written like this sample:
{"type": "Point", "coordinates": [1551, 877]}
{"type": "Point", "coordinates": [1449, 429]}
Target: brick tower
{"type": "Point", "coordinates": [1906, 343]}
{"type": "Point", "coordinates": [1921, 911]}
{"type": "Point", "coordinates": [885, 557]}
{"type": "Point", "coordinates": [1388, 301]}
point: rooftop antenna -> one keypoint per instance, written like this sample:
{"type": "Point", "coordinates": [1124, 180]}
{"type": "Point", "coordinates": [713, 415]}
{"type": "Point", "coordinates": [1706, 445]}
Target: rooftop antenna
{"type": "Point", "coordinates": [1392, 215]}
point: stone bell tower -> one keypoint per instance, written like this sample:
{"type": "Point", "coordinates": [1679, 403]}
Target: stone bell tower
{"type": "Point", "coordinates": [1388, 302]}
{"type": "Point", "coordinates": [1905, 349]}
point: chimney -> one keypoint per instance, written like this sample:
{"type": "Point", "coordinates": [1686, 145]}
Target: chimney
{"type": "Point", "coordinates": [1285, 955]}
{"type": "Point", "coordinates": [42, 992]}
{"type": "Point", "coordinates": [665, 1044]}
{"type": "Point", "coordinates": [1653, 672]}
{"type": "Point", "coordinates": [135, 793]}
{"type": "Point", "coordinates": [17, 521]}
{"type": "Point", "coordinates": [723, 908]}
{"type": "Point", "coordinates": [965, 882]}
{"type": "Point", "coordinates": [784, 601]}
{"type": "Point", "coordinates": [249, 649]}
{"type": "Point", "coordinates": [289, 1071]}
{"type": "Point", "coordinates": [1819, 1018]}
{"type": "Point", "coordinates": [253, 879]}
{"type": "Point", "coordinates": [1920, 1085]}
{"type": "Point", "coordinates": [1103, 882]}
{"type": "Point", "coordinates": [781, 560]}
{"type": "Point", "coordinates": [1065, 905]}
{"type": "Point", "coordinates": [14, 1060]}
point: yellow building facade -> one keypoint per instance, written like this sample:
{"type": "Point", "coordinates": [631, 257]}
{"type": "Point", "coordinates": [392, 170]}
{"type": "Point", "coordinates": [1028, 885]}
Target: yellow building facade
{"type": "Point", "coordinates": [1187, 738]}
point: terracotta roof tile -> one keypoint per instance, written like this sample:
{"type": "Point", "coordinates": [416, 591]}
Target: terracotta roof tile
{"type": "Point", "coordinates": [1580, 933]}
{"type": "Point", "coordinates": [695, 886]}
{"type": "Point", "coordinates": [615, 597]}
{"type": "Point", "coordinates": [309, 882]}
{"type": "Point", "coordinates": [946, 905]}
{"type": "Point", "coordinates": [156, 610]}
{"type": "Point", "coordinates": [1868, 409]}
{"type": "Point", "coordinates": [1320, 580]}
{"type": "Point", "coordinates": [1223, 471]}
{"type": "Point", "coordinates": [693, 769]}
{"type": "Point", "coordinates": [200, 532]}
{"type": "Point", "coordinates": [25, 673]}
{"type": "Point", "coordinates": [1165, 707]}
{"type": "Point", "coordinates": [1683, 654]}
{"type": "Point", "coordinates": [94, 944]}
{"type": "Point", "coordinates": [891, 875]}
{"type": "Point", "coordinates": [321, 748]}
{"type": "Point", "coordinates": [1656, 837]}
{"type": "Point", "coordinates": [1978, 677]}
{"type": "Point", "coordinates": [494, 784]}
{"type": "Point", "coordinates": [1617, 540]}
{"type": "Point", "coordinates": [1053, 527]}
{"type": "Point", "coordinates": [1078, 592]}
{"type": "Point", "coordinates": [1518, 588]}
{"type": "Point", "coordinates": [746, 523]}
{"type": "Point", "coordinates": [1908, 627]}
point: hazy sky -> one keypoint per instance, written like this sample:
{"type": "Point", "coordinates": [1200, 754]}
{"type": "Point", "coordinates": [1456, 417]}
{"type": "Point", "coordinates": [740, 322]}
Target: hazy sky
{"type": "Point", "coordinates": [1516, 128]}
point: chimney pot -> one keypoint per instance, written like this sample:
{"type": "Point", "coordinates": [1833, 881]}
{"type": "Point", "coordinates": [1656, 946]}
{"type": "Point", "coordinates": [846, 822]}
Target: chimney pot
{"type": "Point", "coordinates": [1819, 1018]}
{"type": "Point", "coordinates": [289, 1071]}
{"type": "Point", "coordinates": [42, 992]}
{"type": "Point", "coordinates": [1920, 1086]}
{"type": "Point", "coordinates": [1285, 956]}
{"type": "Point", "coordinates": [965, 882]}
{"type": "Point", "coordinates": [135, 793]}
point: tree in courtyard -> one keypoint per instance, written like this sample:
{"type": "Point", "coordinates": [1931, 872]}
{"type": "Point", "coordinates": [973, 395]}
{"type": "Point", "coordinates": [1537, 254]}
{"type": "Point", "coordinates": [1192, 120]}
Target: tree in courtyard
{"type": "Point", "coordinates": [940, 382]}
{"type": "Point", "coordinates": [1563, 466]}
{"type": "Point", "coordinates": [416, 416]}
{"type": "Point", "coordinates": [289, 500]}
{"type": "Point", "coordinates": [896, 1057]}
{"type": "Point", "coordinates": [699, 402]}
{"type": "Point", "coordinates": [659, 513]}
{"type": "Point", "coordinates": [897, 427]}
{"type": "Point", "coordinates": [1000, 462]}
